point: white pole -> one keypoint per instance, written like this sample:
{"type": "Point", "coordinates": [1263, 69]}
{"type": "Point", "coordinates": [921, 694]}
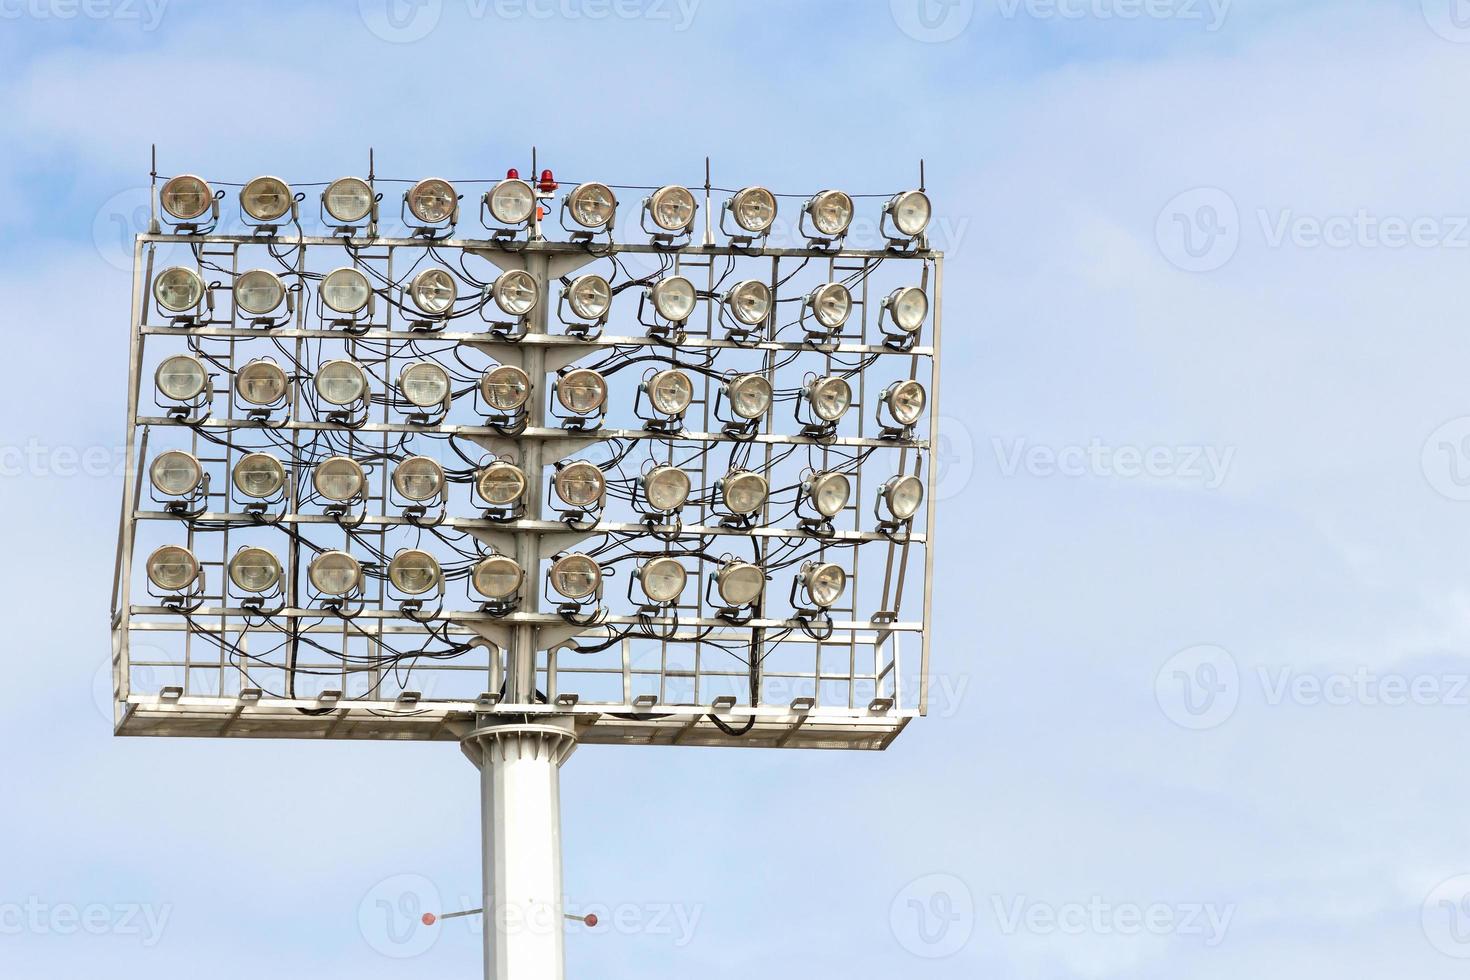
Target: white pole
{"type": "Point", "coordinates": [520, 801]}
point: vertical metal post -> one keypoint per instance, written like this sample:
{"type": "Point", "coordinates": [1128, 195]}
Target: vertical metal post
{"type": "Point", "coordinates": [521, 671]}
{"type": "Point", "coordinates": [520, 800]}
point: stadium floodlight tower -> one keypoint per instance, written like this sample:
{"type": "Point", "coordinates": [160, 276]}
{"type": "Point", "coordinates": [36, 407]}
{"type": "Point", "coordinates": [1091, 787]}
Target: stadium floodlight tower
{"type": "Point", "coordinates": [390, 506]}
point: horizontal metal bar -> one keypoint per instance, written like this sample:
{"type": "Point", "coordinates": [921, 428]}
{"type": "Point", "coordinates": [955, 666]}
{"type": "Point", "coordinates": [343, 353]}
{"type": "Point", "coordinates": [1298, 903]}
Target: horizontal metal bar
{"type": "Point", "coordinates": [531, 340]}
{"type": "Point", "coordinates": [523, 247]}
{"type": "Point", "coordinates": [540, 527]}
{"type": "Point", "coordinates": [550, 434]}
{"type": "Point", "coordinates": [538, 619]}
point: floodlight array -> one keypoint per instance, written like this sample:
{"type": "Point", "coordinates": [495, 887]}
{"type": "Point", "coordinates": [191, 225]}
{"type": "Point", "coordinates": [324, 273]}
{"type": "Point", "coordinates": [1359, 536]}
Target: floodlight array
{"type": "Point", "coordinates": [333, 432]}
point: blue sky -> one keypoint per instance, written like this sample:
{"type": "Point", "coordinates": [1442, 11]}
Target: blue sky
{"type": "Point", "coordinates": [1203, 621]}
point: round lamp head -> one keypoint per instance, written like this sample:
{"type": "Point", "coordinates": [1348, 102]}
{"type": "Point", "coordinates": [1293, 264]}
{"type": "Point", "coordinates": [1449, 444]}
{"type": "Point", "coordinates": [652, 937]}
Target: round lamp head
{"type": "Point", "coordinates": [339, 478]}
{"type": "Point", "coordinates": [172, 568]}
{"type": "Point", "coordinates": [576, 576]}
{"type": "Point", "coordinates": [348, 200]}
{"type": "Point", "coordinates": [432, 200]}
{"type": "Point", "coordinates": [259, 475]}
{"type": "Point", "coordinates": [505, 388]}
{"type": "Point", "coordinates": [185, 197]}
{"type": "Point", "coordinates": [178, 289]}
{"type": "Point", "coordinates": [581, 392]}
{"type": "Point", "coordinates": [501, 483]}
{"type": "Point", "coordinates": [266, 198]}
{"type": "Point", "coordinates": [335, 573]}
{"type": "Point", "coordinates": [419, 478]}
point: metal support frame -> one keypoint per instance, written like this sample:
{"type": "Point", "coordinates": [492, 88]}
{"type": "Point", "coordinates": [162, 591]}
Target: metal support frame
{"type": "Point", "coordinates": [516, 734]}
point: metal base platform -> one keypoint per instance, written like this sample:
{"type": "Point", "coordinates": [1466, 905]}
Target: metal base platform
{"type": "Point", "coordinates": [451, 721]}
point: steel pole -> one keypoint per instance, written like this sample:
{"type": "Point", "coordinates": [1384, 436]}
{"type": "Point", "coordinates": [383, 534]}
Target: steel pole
{"type": "Point", "coordinates": [520, 825]}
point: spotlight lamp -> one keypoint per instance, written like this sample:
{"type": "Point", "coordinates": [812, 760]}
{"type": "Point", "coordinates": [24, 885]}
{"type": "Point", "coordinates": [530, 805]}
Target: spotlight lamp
{"type": "Point", "coordinates": [181, 378]}
{"type": "Point", "coordinates": [739, 585]}
{"type": "Point", "coordinates": [665, 489]}
{"type": "Point", "coordinates": [345, 295]}
{"type": "Point", "coordinates": [582, 394]}
{"type": "Point", "coordinates": [174, 569]}
{"type": "Point", "coordinates": [176, 474]}
{"type": "Point", "coordinates": [903, 313]}
{"type": "Point", "coordinates": [511, 203]}
{"type": "Point", "coordinates": [903, 403]}
{"type": "Point", "coordinates": [256, 571]}
{"type": "Point", "coordinates": [414, 572]}
{"type": "Point", "coordinates": [662, 580]}
{"type": "Point", "coordinates": [419, 479]}
{"type": "Point", "coordinates": [261, 383]}
{"type": "Point", "coordinates": [743, 401]}
{"type": "Point", "coordinates": [592, 206]}
{"type": "Point", "coordinates": [498, 579]}
{"type": "Point", "coordinates": [265, 201]}
{"type": "Point", "coordinates": [743, 493]}
{"type": "Point", "coordinates": [350, 203]}
{"type": "Point", "coordinates": [505, 389]}
{"type": "Point", "coordinates": [899, 500]}
{"type": "Point", "coordinates": [515, 293]}
{"type": "Point", "coordinates": [830, 304]}
{"type": "Point", "coordinates": [502, 486]}
{"type": "Point", "coordinates": [908, 214]}
{"type": "Point", "coordinates": [822, 583]}
{"type": "Point", "coordinates": [259, 293]}
{"type": "Point", "coordinates": [671, 208]}
{"type": "Point", "coordinates": [425, 386]}
{"type": "Point", "coordinates": [581, 486]}
{"type": "Point", "coordinates": [673, 299]}
{"type": "Point", "coordinates": [339, 479]}
{"type": "Point", "coordinates": [335, 574]}
{"type": "Point", "coordinates": [753, 209]}
{"type": "Point", "coordinates": [589, 298]}
{"type": "Point", "coordinates": [433, 204]}
{"type": "Point", "coordinates": [189, 203]}
{"type": "Point", "coordinates": [259, 477]}
{"type": "Point", "coordinates": [179, 291]}
{"type": "Point", "coordinates": [669, 393]}
{"type": "Point", "coordinates": [825, 494]}
{"type": "Point", "coordinates": [576, 577]}
{"type": "Point", "coordinates": [830, 214]}
{"type": "Point", "coordinates": [433, 292]}
{"type": "Point", "coordinates": [341, 383]}
{"type": "Point", "coordinates": [822, 404]}
{"type": "Point", "coordinates": [749, 303]}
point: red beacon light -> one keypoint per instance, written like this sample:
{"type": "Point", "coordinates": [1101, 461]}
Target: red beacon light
{"type": "Point", "coordinates": [548, 182]}
{"type": "Point", "coordinates": [512, 174]}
